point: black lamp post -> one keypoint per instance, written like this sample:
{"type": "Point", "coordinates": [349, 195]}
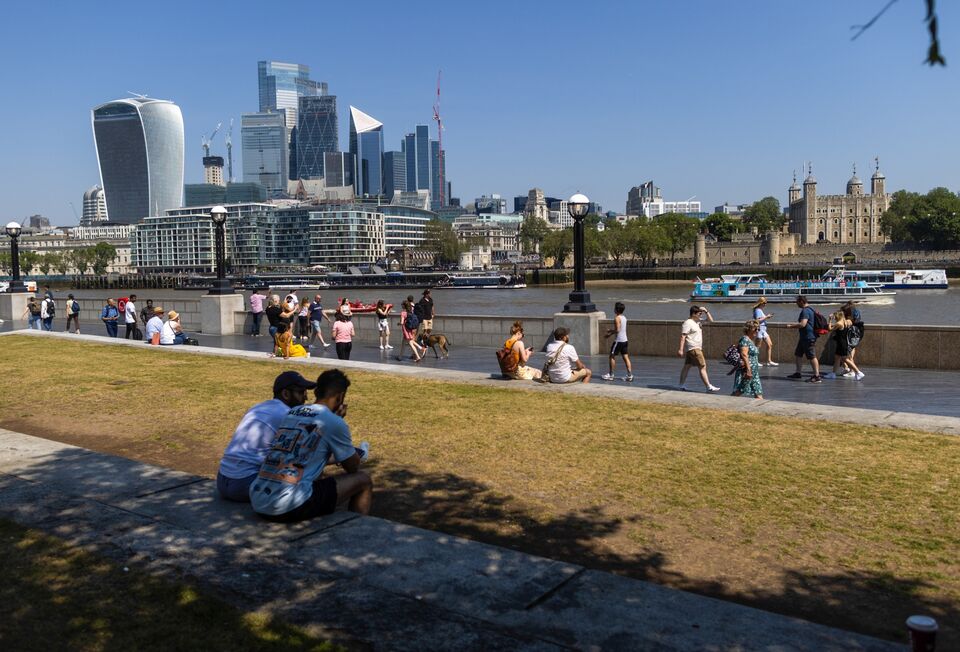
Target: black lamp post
{"type": "Point", "coordinates": [579, 298]}
{"type": "Point", "coordinates": [13, 230]}
{"type": "Point", "coordinates": [219, 216]}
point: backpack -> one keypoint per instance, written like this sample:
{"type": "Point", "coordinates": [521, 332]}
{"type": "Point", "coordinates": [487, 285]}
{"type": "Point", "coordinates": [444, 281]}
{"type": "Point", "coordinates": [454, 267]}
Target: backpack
{"type": "Point", "coordinates": [75, 307]}
{"type": "Point", "coordinates": [34, 308]}
{"type": "Point", "coordinates": [854, 335]}
{"type": "Point", "coordinates": [51, 308]}
{"type": "Point", "coordinates": [508, 363]}
{"type": "Point", "coordinates": [122, 304]}
{"type": "Point", "coordinates": [820, 324]}
{"type": "Point", "coordinates": [412, 322]}
{"type": "Point", "coordinates": [732, 355]}
{"type": "Point", "coordinates": [418, 311]}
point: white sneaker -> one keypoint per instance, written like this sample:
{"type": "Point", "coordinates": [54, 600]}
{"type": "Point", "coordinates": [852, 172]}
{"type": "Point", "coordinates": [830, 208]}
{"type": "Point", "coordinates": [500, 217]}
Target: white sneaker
{"type": "Point", "coordinates": [629, 378]}
{"type": "Point", "coordinates": [608, 376]}
{"type": "Point", "coordinates": [327, 345]}
{"type": "Point", "coordinates": [773, 364]}
{"type": "Point", "coordinates": [830, 375]}
{"type": "Point", "coordinates": [712, 388]}
{"type": "Point", "coordinates": [389, 347]}
{"type": "Point", "coordinates": [859, 376]}
{"type": "Point", "coordinates": [381, 347]}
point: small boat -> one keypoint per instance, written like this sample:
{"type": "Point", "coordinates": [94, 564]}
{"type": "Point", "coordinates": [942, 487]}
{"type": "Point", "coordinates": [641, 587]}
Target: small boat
{"type": "Point", "coordinates": [482, 282]}
{"type": "Point", "coordinates": [900, 279]}
{"type": "Point", "coordinates": [747, 288]}
{"type": "Point", "coordinates": [359, 307]}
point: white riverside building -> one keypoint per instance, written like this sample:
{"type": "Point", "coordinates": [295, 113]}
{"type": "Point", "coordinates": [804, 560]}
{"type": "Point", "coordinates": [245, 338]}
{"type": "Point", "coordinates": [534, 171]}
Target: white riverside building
{"type": "Point", "coordinates": [269, 235]}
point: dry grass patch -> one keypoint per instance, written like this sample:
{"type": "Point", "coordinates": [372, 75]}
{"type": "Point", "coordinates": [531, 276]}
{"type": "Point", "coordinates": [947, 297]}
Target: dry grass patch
{"type": "Point", "coordinates": [846, 525]}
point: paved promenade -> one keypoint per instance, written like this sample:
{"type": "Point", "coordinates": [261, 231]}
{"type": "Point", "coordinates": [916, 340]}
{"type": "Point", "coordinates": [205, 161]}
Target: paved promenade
{"type": "Point", "coordinates": [367, 581]}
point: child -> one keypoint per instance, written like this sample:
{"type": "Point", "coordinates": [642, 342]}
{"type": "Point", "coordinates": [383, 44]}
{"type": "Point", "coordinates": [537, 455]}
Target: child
{"type": "Point", "coordinates": [620, 344]}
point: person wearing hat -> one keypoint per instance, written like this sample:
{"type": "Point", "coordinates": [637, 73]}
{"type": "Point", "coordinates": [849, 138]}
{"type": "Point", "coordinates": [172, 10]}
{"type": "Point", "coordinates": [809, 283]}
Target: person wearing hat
{"type": "Point", "coordinates": [425, 312]}
{"type": "Point", "coordinates": [291, 486]}
{"type": "Point", "coordinates": [172, 332]}
{"type": "Point", "coordinates": [154, 324]}
{"type": "Point", "coordinates": [254, 435]}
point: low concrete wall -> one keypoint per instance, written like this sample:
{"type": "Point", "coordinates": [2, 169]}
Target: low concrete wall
{"type": "Point", "coordinates": [911, 347]}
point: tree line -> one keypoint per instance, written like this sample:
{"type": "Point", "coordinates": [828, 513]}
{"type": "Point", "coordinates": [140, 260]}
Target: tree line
{"type": "Point", "coordinates": [927, 221]}
{"type": "Point", "coordinates": [96, 258]}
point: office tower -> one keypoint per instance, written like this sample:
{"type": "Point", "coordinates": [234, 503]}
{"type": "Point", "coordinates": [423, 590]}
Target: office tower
{"type": "Point", "coordinates": [139, 144]}
{"type": "Point", "coordinates": [416, 147]}
{"type": "Point", "coordinates": [281, 85]}
{"type": "Point", "coordinates": [438, 171]}
{"type": "Point", "coordinates": [94, 207]}
{"type": "Point", "coordinates": [394, 174]}
{"type": "Point", "coordinates": [265, 156]}
{"type": "Point", "coordinates": [366, 144]}
{"type": "Point", "coordinates": [213, 170]}
{"type": "Point", "coordinates": [338, 169]}
{"type": "Point", "coordinates": [317, 133]}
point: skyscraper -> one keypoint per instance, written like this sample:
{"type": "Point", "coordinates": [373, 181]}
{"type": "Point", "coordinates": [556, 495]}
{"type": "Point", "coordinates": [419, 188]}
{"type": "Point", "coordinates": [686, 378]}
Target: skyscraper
{"type": "Point", "coordinates": [366, 144]}
{"type": "Point", "coordinates": [139, 144]}
{"type": "Point", "coordinates": [94, 207]}
{"type": "Point", "coordinates": [437, 171]}
{"type": "Point", "coordinates": [265, 155]}
{"type": "Point", "coordinates": [281, 85]}
{"type": "Point", "coordinates": [394, 174]}
{"type": "Point", "coordinates": [317, 134]}
{"type": "Point", "coordinates": [338, 169]}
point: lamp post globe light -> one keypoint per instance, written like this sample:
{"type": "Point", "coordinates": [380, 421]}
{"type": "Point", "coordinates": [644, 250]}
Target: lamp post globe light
{"type": "Point", "coordinates": [579, 298]}
{"type": "Point", "coordinates": [13, 230]}
{"type": "Point", "coordinates": [219, 216]}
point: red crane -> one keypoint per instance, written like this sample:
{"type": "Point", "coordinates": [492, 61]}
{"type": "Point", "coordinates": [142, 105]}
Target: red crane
{"type": "Point", "coordinates": [436, 116]}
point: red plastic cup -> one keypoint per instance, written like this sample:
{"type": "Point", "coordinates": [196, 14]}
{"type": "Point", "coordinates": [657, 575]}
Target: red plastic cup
{"type": "Point", "coordinates": [923, 633]}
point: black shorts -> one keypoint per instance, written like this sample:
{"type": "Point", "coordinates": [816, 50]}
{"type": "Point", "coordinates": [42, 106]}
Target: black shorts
{"type": "Point", "coordinates": [806, 348]}
{"type": "Point", "coordinates": [321, 502]}
{"type": "Point", "coordinates": [619, 348]}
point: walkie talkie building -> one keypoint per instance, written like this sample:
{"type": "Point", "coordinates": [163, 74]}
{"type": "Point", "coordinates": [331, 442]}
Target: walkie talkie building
{"type": "Point", "coordinates": [139, 145]}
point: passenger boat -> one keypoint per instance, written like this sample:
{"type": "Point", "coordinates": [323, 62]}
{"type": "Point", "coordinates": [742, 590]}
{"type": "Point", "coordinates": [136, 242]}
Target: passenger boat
{"type": "Point", "coordinates": [482, 282]}
{"type": "Point", "coordinates": [900, 279]}
{"type": "Point", "coordinates": [748, 288]}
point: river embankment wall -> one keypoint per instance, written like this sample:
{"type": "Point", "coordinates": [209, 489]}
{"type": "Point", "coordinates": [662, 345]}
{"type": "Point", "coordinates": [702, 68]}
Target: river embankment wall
{"type": "Point", "coordinates": [910, 347]}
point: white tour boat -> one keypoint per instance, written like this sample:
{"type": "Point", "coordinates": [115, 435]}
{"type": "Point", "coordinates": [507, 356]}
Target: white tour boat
{"type": "Point", "coordinates": [748, 288]}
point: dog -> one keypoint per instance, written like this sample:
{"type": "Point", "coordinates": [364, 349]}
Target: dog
{"type": "Point", "coordinates": [433, 340]}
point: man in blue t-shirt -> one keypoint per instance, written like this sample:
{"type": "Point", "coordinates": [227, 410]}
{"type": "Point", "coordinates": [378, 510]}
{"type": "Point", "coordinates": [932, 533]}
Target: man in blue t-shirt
{"type": "Point", "coordinates": [254, 435]}
{"type": "Point", "coordinates": [290, 486]}
{"type": "Point", "coordinates": [806, 342]}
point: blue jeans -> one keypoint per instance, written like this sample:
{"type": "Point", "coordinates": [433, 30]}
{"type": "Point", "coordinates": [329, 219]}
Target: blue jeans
{"type": "Point", "coordinates": [111, 328]}
{"type": "Point", "coordinates": [235, 489]}
{"type": "Point", "coordinates": [272, 330]}
{"type": "Point", "coordinates": [257, 318]}
{"type": "Point", "coordinates": [34, 322]}
{"type": "Point", "coordinates": [48, 323]}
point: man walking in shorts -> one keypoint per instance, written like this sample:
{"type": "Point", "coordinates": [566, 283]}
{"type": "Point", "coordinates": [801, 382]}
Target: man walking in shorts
{"type": "Point", "coordinates": [620, 343]}
{"type": "Point", "coordinates": [290, 486]}
{"type": "Point", "coordinates": [691, 348]}
{"type": "Point", "coordinates": [806, 341]}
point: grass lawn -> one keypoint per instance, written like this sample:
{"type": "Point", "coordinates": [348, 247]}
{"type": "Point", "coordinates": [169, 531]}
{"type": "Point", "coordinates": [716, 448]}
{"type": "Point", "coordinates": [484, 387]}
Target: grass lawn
{"type": "Point", "coordinates": [58, 598]}
{"type": "Point", "coordinates": [849, 526]}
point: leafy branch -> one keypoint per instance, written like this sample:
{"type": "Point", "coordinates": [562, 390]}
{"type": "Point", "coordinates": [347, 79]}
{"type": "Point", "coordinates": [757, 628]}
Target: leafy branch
{"type": "Point", "coordinates": [934, 58]}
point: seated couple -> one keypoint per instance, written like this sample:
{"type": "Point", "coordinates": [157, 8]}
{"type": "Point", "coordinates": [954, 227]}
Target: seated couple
{"type": "Point", "coordinates": [563, 365]}
{"type": "Point", "coordinates": [168, 332]}
{"type": "Point", "coordinates": [276, 458]}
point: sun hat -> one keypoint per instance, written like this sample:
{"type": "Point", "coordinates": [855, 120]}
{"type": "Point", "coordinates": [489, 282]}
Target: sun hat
{"type": "Point", "coordinates": [173, 314]}
{"type": "Point", "coordinates": [157, 310]}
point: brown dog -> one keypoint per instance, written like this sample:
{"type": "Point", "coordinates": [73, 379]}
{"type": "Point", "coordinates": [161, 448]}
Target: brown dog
{"type": "Point", "coordinates": [434, 340]}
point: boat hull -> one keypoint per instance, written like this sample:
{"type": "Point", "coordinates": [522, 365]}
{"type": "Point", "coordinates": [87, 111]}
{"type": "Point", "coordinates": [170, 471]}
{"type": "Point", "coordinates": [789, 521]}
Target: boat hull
{"type": "Point", "coordinates": [791, 298]}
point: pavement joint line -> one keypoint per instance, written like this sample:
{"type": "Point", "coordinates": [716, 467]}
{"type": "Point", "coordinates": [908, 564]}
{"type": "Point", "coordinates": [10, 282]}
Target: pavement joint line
{"type": "Point", "coordinates": [549, 593]}
{"type": "Point", "coordinates": [323, 529]}
{"type": "Point", "coordinates": [832, 413]}
{"type": "Point", "coordinates": [177, 486]}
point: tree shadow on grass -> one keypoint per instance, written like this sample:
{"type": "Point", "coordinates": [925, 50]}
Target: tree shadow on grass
{"type": "Point", "coordinates": [873, 603]}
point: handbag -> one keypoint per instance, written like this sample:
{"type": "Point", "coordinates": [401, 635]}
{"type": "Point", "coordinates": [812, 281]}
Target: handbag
{"type": "Point", "coordinates": [550, 361]}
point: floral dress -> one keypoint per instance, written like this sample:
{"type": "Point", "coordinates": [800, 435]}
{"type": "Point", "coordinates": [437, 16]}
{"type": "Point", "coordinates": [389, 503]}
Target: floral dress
{"type": "Point", "coordinates": [749, 386]}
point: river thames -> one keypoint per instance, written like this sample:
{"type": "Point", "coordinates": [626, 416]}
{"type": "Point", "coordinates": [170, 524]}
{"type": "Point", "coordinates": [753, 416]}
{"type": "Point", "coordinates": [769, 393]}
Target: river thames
{"type": "Point", "coordinates": [661, 301]}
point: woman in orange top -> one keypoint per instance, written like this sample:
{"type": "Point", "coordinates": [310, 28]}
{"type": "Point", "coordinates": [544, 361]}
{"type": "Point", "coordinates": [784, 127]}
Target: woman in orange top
{"type": "Point", "coordinates": [520, 354]}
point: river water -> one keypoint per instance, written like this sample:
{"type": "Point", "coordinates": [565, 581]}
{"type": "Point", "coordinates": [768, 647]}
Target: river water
{"type": "Point", "coordinates": [933, 307]}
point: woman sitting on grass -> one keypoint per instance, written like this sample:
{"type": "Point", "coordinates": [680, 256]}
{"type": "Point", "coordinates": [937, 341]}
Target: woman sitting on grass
{"type": "Point", "coordinates": [283, 344]}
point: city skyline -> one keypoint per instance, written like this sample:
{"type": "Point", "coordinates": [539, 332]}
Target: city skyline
{"type": "Point", "coordinates": [688, 102]}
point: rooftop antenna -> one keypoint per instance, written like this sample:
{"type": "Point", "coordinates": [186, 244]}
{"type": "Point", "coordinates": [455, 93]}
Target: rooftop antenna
{"type": "Point", "coordinates": [854, 169]}
{"type": "Point", "coordinates": [876, 160]}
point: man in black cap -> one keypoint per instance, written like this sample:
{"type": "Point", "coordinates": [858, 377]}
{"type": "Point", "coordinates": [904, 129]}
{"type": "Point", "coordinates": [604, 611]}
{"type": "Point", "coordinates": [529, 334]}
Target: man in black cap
{"type": "Point", "coordinates": [252, 439]}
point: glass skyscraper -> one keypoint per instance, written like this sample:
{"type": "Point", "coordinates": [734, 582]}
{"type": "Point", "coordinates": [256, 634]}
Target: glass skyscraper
{"type": "Point", "coordinates": [437, 166]}
{"type": "Point", "coordinates": [281, 85]}
{"type": "Point", "coordinates": [338, 169]}
{"type": "Point", "coordinates": [366, 144]}
{"type": "Point", "coordinates": [139, 144]}
{"type": "Point", "coordinates": [317, 134]}
{"type": "Point", "coordinates": [394, 174]}
{"type": "Point", "coordinates": [265, 155]}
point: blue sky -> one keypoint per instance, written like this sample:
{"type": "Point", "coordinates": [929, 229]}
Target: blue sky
{"type": "Point", "coordinates": [721, 100]}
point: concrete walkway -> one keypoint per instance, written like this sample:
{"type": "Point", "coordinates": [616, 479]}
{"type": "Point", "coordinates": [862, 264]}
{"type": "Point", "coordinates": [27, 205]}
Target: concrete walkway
{"type": "Point", "coordinates": [366, 580]}
{"type": "Point", "coordinates": [836, 401]}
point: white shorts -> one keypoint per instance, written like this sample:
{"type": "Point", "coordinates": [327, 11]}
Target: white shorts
{"type": "Point", "coordinates": [383, 325]}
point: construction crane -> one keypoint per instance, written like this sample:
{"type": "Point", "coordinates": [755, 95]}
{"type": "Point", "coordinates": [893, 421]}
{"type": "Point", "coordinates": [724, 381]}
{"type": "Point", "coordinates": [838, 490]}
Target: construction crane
{"type": "Point", "coordinates": [436, 116]}
{"type": "Point", "coordinates": [205, 141]}
{"type": "Point", "coordinates": [228, 139]}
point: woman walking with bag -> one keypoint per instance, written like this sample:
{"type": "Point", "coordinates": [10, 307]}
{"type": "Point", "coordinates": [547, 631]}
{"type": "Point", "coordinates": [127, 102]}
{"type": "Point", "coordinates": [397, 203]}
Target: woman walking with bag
{"type": "Point", "coordinates": [746, 382]}
{"type": "Point", "coordinates": [408, 327]}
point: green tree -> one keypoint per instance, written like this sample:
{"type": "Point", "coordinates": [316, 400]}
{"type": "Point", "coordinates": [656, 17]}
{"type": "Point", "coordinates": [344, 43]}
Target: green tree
{"type": "Point", "coordinates": [60, 262]}
{"type": "Point", "coordinates": [44, 263]}
{"type": "Point", "coordinates": [617, 241]}
{"type": "Point", "coordinates": [679, 232]}
{"type": "Point", "coordinates": [532, 232]}
{"type": "Point", "coordinates": [440, 239]}
{"type": "Point", "coordinates": [722, 226]}
{"type": "Point", "coordinates": [646, 239]}
{"type": "Point", "coordinates": [28, 260]}
{"type": "Point", "coordinates": [557, 245]}
{"type": "Point", "coordinates": [931, 220]}
{"type": "Point", "coordinates": [593, 242]}
{"type": "Point", "coordinates": [764, 215]}
{"type": "Point", "coordinates": [80, 259]}
{"type": "Point", "coordinates": [5, 262]}
{"type": "Point", "coordinates": [102, 254]}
